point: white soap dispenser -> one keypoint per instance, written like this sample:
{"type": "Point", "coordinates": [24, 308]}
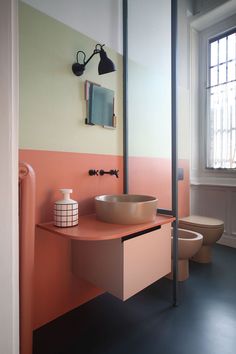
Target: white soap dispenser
{"type": "Point", "coordinates": [66, 210]}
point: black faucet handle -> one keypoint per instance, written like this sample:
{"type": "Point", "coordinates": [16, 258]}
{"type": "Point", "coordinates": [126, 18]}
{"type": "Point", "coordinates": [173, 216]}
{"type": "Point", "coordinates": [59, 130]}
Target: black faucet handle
{"type": "Point", "coordinates": [115, 173]}
{"type": "Point", "coordinates": [93, 172]}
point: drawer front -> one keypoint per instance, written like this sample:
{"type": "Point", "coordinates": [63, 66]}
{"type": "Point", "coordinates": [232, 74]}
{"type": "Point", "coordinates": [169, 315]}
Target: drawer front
{"type": "Point", "coordinates": [100, 263]}
{"type": "Point", "coordinates": [147, 258]}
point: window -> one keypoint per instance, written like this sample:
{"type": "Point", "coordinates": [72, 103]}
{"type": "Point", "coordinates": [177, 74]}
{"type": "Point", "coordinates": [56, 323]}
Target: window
{"type": "Point", "coordinates": [221, 102]}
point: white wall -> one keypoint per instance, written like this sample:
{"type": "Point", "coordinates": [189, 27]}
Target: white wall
{"type": "Point", "coordinates": [9, 341]}
{"type": "Point", "coordinates": [100, 20]}
{"type": "Point", "coordinates": [216, 12]}
{"type": "Point", "coordinates": [202, 6]}
{"type": "Point", "coordinates": [194, 103]}
{"type": "Point", "coordinates": [217, 202]}
{"type": "Point", "coordinates": [183, 80]}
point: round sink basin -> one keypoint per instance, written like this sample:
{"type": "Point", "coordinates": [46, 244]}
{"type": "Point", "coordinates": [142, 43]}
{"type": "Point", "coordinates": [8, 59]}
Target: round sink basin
{"type": "Point", "coordinates": [126, 209]}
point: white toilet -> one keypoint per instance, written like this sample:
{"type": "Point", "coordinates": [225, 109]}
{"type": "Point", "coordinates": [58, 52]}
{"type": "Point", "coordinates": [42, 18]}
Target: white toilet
{"type": "Point", "coordinates": [211, 229]}
{"type": "Point", "coordinates": [189, 242]}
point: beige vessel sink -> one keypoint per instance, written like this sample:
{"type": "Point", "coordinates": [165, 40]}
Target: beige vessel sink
{"type": "Point", "coordinates": [126, 208]}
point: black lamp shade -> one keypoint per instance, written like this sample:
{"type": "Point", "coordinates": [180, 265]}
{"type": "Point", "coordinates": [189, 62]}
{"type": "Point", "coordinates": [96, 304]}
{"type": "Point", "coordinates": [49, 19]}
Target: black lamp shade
{"type": "Point", "coordinates": [105, 65]}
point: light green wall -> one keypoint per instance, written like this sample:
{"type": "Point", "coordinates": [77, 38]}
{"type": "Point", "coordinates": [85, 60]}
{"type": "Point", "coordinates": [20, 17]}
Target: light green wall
{"type": "Point", "coordinates": [52, 105]}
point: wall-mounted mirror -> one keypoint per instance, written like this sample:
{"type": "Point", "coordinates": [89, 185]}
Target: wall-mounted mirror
{"type": "Point", "coordinates": [99, 105]}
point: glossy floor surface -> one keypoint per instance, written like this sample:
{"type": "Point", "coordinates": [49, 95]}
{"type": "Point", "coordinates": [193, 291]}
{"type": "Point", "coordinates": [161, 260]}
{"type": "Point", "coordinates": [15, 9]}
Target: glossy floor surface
{"type": "Point", "coordinates": [203, 323]}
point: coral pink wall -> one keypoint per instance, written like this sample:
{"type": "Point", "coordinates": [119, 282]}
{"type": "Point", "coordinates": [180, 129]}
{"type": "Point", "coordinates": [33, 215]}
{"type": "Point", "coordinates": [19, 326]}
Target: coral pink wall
{"type": "Point", "coordinates": [56, 289]}
{"type": "Point", "coordinates": [55, 170]}
{"type": "Point", "coordinates": [152, 176]}
{"type": "Point", "coordinates": [184, 190]}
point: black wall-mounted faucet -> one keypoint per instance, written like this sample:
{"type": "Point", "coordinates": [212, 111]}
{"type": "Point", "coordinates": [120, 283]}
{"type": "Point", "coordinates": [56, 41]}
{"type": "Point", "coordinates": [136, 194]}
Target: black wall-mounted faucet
{"type": "Point", "coordinates": [102, 172]}
{"type": "Point", "coordinates": [111, 172]}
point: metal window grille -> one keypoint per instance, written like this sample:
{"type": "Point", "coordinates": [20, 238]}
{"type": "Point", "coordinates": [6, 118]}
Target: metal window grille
{"type": "Point", "coordinates": [221, 102]}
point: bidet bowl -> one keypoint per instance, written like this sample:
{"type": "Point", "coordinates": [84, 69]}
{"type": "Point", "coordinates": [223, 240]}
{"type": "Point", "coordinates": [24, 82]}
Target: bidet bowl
{"type": "Point", "coordinates": [126, 209]}
{"type": "Point", "coordinates": [189, 243]}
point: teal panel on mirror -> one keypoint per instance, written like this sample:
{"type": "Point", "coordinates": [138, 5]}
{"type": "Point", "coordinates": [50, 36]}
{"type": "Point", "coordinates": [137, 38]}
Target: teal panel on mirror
{"type": "Point", "coordinates": [101, 106]}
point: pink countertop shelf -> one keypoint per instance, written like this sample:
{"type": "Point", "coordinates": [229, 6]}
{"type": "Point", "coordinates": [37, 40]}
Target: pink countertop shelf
{"type": "Point", "coordinates": [91, 229]}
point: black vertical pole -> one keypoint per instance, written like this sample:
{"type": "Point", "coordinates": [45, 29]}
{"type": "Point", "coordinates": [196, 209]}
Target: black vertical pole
{"type": "Point", "coordinates": [125, 95]}
{"type": "Point", "coordinates": [174, 133]}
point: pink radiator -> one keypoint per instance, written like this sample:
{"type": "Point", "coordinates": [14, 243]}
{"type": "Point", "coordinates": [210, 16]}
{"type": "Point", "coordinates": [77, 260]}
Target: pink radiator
{"type": "Point", "coordinates": [26, 246]}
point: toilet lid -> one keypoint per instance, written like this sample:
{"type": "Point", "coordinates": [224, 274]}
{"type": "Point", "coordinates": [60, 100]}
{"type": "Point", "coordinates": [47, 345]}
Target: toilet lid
{"type": "Point", "coordinates": [203, 221]}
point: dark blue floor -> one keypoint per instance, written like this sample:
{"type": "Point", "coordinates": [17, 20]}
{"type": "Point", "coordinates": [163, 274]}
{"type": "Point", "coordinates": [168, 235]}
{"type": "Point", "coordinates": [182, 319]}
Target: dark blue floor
{"type": "Point", "coordinates": [203, 323]}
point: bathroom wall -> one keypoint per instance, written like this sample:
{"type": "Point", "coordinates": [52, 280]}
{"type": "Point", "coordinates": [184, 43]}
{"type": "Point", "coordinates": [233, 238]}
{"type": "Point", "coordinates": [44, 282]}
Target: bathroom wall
{"type": "Point", "coordinates": [61, 148]}
{"type": "Point", "coordinates": [52, 103]}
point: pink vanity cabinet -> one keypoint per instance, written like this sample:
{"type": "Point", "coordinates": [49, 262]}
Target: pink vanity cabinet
{"type": "Point", "coordinates": [121, 259]}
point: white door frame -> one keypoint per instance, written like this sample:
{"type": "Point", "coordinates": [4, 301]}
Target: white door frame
{"type": "Point", "coordinates": [9, 114]}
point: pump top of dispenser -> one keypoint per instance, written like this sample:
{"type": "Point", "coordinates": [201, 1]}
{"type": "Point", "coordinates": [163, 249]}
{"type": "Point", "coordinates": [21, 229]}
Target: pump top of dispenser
{"type": "Point", "coordinates": [66, 197]}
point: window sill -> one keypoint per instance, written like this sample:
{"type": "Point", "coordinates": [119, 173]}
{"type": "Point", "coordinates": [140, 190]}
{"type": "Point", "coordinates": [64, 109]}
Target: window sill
{"type": "Point", "coordinates": [214, 182]}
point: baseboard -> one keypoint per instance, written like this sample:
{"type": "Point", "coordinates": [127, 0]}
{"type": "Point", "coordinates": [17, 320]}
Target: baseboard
{"type": "Point", "coordinates": [228, 240]}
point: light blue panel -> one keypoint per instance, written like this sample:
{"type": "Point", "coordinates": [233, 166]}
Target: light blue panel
{"type": "Point", "coordinates": [101, 105]}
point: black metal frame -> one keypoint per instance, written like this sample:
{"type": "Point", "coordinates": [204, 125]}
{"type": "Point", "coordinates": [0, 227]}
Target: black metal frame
{"type": "Point", "coordinates": [140, 233]}
{"type": "Point", "coordinates": [174, 155]}
{"type": "Point", "coordinates": [174, 135]}
{"type": "Point", "coordinates": [125, 94]}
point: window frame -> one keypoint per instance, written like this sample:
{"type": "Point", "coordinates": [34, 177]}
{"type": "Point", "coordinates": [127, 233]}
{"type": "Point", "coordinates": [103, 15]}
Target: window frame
{"type": "Point", "coordinates": [207, 36]}
{"type": "Point", "coordinates": [211, 40]}
{"type": "Point", "coordinates": [209, 86]}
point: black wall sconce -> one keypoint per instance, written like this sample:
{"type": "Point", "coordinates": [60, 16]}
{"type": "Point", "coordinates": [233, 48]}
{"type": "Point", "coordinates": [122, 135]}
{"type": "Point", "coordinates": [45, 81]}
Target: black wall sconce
{"type": "Point", "coordinates": [105, 65]}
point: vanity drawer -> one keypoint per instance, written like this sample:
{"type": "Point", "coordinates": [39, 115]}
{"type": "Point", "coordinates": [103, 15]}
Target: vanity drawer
{"type": "Point", "coordinates": [124, 268]}
{"type": "Point", "coordinates": [146, 259]}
